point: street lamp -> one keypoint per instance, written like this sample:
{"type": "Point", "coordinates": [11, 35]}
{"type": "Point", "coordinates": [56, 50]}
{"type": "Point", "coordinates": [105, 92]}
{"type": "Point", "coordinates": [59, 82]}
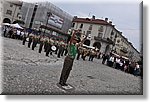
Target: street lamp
{"type": "Point", "coordinates": [48, 15]}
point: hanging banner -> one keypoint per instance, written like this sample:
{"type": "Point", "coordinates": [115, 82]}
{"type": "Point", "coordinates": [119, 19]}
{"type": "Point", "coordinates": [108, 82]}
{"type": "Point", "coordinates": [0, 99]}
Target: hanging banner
{"type": "Point", "coordinates": [55, 21]}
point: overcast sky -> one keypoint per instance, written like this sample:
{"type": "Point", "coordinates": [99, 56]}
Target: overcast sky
{"type": "Point", "coordinates": [125, 14]}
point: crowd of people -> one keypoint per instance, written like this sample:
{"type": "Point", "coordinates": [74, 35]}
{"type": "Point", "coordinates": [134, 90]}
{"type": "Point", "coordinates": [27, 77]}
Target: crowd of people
{"type": "Point", "coordinates": [84, 53]}
{"type": "Point", "coordinates": [122, 64]}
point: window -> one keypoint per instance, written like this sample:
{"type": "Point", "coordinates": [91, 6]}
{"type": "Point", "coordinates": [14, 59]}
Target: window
{"type": "Point", "coordinates": [20, 8]}
{"type": "Point", "coordinates": [73, 24]}
{"type": "Point", "coordinates": [112, 33]}
{"type": "Point", "coordinates": [111, 37]}
{"type": "Point", "coordinates": [11, 5]}
{"type": "Point", "coordinates": [101, 29]}
{"type": "Point", "coordinates": [88, 32]}
{"type": "Point", "coordinates": [90, 27]}
{"type": "Point", "coordinates": [9, 12]}
{"type": "Point", "coordinates": [81, 26]}
{"type": "Point", "coordinates": [100, 35]}
{"type": "Point", "coordinates": [18, 14]}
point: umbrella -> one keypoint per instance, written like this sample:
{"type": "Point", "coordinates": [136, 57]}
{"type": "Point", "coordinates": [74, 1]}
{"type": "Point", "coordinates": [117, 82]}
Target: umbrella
{"type": "Point", "coordinates": [16, 26]}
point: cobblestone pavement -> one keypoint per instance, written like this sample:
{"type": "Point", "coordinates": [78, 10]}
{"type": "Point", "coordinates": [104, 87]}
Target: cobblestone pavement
{"type": "Point", "coordinates": [28, 72]}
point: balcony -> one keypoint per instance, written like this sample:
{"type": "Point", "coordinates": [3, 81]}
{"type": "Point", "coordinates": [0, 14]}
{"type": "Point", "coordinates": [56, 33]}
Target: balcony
{"type": "Point", "coordinates": [107, 40]}
{"type": "Point", "coordinates": [123, 49]}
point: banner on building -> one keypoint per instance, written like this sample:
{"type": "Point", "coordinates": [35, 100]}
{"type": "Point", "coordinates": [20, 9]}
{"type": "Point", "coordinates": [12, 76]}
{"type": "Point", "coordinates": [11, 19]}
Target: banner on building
{"type": "Point", "coordinates": [55, 21]}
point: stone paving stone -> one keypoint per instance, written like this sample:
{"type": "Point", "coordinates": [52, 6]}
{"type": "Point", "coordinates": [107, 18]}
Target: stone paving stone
{"type": "Point", "coordinates": [29, 72]}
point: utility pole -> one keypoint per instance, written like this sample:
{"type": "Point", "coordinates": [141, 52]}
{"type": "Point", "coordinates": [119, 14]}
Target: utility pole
{"type": "Point", "coordinates": [48, 15]}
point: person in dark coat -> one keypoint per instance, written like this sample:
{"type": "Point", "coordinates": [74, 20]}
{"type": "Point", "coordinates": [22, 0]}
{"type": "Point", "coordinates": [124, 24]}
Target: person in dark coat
{"type": "Point", "coordinates": [10, 33]}
{"type": "Point", "coordinates": [5, 30]}
{"type": "Point", "coordinates": [104, 58]}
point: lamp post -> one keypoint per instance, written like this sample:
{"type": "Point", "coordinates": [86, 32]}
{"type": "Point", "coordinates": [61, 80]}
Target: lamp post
{"type": "Point", "coordinates": [48, 15]}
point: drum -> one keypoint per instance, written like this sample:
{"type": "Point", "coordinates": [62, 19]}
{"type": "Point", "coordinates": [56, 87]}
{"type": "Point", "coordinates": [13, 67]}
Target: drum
{"type": "Point", "coordinates": [53, 48]}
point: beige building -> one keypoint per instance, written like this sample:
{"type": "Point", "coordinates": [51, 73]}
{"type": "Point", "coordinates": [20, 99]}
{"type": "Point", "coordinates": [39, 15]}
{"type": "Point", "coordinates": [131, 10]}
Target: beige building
{"type": "Point", "coordinates": [103, 35]}
{"type": "Point", "coordinates": [121, 46]}
{"type": "Point", "coordinates": [11, 11]}
{"type": "Point", "coordinates": [125, 48]}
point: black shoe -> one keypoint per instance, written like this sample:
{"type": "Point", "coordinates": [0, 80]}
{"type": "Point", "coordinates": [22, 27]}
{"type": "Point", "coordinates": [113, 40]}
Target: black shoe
{"type": "Point", "coordinates": [63, 84]}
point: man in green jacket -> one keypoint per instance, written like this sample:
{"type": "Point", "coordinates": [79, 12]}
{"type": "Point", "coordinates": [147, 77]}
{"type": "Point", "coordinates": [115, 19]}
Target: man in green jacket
{"type": "Point", "coordinates": [69, 59]}
{"type": "Point", "coordinates": [68, 63]}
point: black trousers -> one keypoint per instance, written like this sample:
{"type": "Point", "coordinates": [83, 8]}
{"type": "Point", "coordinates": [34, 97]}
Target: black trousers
{"type": "Point", "coordinates": [66, 51]}
{"type": "Point", "coordinates": [24, 40]}
{"type": "Point", "coordinates": [33, 45]}
{"type": "Point", "coordinates": [40, 48]}
{"type": "Point", "coordinates": [67, 67]}
{"type": "Point", "coordinates": [59, 53]}
{"type": "Point", "coordinates": [91, 57]}
{"type": "Point", "coordinates": [48, 49]}
{"type": "Point", "coordinates": [29, 43]}
{"type": "Point", "coordinates": [78, 56]}
{"type": "Point", "coordinates": [117, 66]}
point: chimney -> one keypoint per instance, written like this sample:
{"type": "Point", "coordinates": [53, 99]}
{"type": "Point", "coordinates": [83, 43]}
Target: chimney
{"type": "Point", "coordinates": [75, 17]}
{"type": "Point", "coordinates": [110, 22]}
{"type": "Point", "coordinates": [93, 17]}
{"type": "Point", "coordinates": [106, 19]}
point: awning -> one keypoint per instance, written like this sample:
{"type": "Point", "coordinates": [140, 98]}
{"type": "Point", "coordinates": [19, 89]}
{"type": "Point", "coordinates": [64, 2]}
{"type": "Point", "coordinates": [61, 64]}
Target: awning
{"type": "Point", "coordinates": [16, 26]}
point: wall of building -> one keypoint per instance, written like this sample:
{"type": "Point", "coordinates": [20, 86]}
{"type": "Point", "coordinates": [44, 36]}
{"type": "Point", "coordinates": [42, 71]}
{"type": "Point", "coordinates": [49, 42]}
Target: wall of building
{"type": "Point", "coordinates": [41, 15]}
{"type": "Point", "coordinates": [1, 11]}
{"type": "Point", "coordinates": [11, 10]}
{"type": "Point", "coordinates": [106, 33]}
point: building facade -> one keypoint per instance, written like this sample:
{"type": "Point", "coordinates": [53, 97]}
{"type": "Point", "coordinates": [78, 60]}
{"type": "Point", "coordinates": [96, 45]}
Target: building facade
{"type": "Point", "coordinates": [100, 33]}
{"type": "Point", "coordinates": [11, 11]}
{"type": "Point", "coordinates": [103, 35]}
{"type": "Point", "coordinates": [46, 17]}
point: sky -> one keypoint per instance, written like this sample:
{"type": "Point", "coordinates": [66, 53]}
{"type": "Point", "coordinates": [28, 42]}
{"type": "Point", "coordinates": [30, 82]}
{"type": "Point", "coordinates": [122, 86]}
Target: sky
{"type": "Point", "coordinates": [125, 14]}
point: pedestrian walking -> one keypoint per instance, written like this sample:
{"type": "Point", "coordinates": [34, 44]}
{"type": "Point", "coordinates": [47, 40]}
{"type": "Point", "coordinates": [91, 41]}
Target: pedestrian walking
{"type": "Point", "coordinates": [136, 71]}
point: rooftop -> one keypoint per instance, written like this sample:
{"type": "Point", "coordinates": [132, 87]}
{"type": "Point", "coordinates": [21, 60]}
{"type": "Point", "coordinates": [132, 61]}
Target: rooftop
{"type": "Point", "coordinates": [92, 21]}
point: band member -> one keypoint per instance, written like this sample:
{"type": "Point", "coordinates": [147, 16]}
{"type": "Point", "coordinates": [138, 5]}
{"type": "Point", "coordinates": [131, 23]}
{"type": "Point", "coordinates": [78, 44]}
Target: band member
{"type": "Point", "coordinates": [41, 44]}
{"type": "Point", "coordinates": [24, 37]}
{"type": "Point", "coordinates": [30, 40]}
{"type": "Point", "coordinates": [79, 51]}
{"type": "Point", "coordinates": [35, 41]}
{"type": "Point", "coordinates": [48, 49]}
